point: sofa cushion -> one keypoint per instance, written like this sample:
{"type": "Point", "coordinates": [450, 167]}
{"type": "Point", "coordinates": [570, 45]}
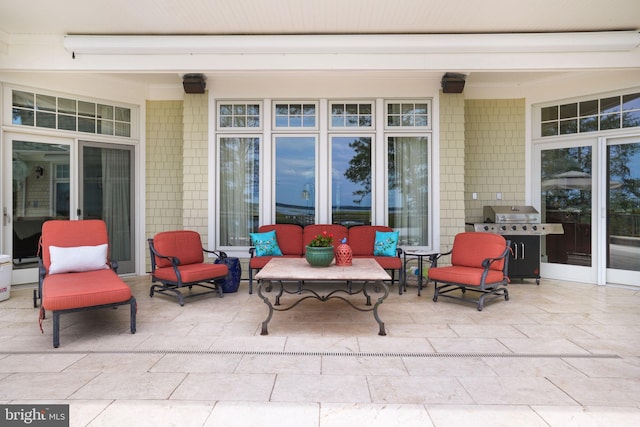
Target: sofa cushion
{"type": "Point", "coordinates": [338, 232]}
{"type": "Point", "coordinates": [266, 243]}
{"type": "Point", "coordinates": [260, 262]}
{"type": "Point", "coordinates": [386, 243]}
{"type": "Point", "coordinates": [289, 237]}
{"type": "Point", "coordinates": [85, 289]}
{"type": "Point", "coordinates": [362, 238]}
{"type": "Point", "coordinates": [386, 262]}
{"type": "Point", "coordinates": [78, 258]}
{"type": "Point", "coordinates": [186, 243]}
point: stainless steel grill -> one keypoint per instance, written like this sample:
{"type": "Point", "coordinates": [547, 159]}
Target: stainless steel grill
{"type": "Point", "coordinates": [515, 220]}
{"type": "Point", "coordinates": [521, 226]}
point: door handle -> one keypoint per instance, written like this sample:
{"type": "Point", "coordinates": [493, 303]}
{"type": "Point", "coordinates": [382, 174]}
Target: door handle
{"type": "Point", "coordinates": [6, 218]}
{"type": "Point", "coordinates": [522, 250]}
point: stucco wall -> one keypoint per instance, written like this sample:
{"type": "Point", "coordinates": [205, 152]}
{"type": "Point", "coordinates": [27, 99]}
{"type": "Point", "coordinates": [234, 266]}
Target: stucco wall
{"type": "Point", "coordinates": [452, 163]}
{"type": "Point", "coordinates": [495, 154]}
{"type": "Point", "coordinates": [163, 164]}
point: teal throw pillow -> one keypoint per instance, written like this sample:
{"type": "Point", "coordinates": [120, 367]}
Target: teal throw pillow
{"type": "Point", "coordinates": [386, 243]}
{"type": "Point", "coordinates": [266, 243]}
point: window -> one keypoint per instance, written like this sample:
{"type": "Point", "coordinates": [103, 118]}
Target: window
{"type": "Point", "coordinates": [593, 115]}
{"type": "Point", "coordinates": [295, 179]}
{"type": "Point", "coordinates": [351, 180]}
{"type": "Point", "coordinates": [52, 112]}
{"type": "Point", "coordinates": [295, 115]}
{"type": "Point", "coordinates": [408, 115]}
{"type": "Point", "coordinates": [320, 164]}
{"type": "Point", "coordinates": [239, 189]}
{"type": "Point", "coordinates": [239, 115]}
{"type": "Point", "coordinates": [351, 115]}
{"type": "Point", "coordinates": [408, 187]}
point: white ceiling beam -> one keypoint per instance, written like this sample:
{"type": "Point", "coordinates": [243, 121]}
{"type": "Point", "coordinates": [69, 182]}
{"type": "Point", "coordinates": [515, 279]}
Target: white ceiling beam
{"type": "Point", "coordinates": [611, 41]}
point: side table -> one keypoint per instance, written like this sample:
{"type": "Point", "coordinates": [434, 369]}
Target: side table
{"type": "Point", "coordinates": [421, 255]}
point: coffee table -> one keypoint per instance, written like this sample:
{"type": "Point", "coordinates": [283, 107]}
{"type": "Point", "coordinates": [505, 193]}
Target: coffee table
{"type": "Point", "coordinates": [364, 272]}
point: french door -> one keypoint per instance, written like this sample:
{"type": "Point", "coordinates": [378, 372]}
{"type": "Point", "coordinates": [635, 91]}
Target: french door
{"type": "Point", "coordinates": [61, 178]}
{"type": "Point", "coordinates": [621, 191]}
{"type": "Point", "coordinates": [591, 187]}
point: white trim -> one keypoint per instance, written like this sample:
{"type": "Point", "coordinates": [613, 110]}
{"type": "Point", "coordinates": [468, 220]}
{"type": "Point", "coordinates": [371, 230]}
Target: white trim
{"type": "Point", "coordinates": [606, 41]}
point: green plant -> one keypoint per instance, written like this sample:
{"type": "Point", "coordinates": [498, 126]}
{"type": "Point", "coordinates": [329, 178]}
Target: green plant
{"type": "Point", "coordinates": [322, 240]}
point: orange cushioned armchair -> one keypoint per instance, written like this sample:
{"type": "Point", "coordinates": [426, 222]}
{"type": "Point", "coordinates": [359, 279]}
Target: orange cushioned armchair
{"type": "Point", "coordinates": [177, 261]}
{"type": "Point", "coordinates": [478, 263]}
{"type": "Point", "coordinates": [76, 273]}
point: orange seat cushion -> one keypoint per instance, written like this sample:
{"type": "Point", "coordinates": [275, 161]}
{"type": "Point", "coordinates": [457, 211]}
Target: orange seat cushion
{"type": "Point", "coordinates": [85, 289]}
{"type": "Point", "coordinates": [470, 276]}
{"type": "Point", "coordinates": [192, 272]}
{"type": "Point", "coordinates": [261, 261]}
{"type": "Point", "coordinates": [386, 262]}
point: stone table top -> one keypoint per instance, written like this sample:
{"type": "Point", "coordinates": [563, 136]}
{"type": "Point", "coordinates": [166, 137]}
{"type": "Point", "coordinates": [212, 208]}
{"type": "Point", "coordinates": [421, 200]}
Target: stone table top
{"type": "Point", "coordinates": [299, 269]}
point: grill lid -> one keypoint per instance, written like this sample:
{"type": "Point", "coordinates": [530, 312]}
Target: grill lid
{"type": "Point", "coordinates": [511, 214]}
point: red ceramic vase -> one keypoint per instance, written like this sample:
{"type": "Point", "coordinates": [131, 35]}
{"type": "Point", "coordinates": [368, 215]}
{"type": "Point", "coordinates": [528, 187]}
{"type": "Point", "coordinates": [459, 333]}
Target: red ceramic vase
{"type": "Point", "coordinates": [344, 255]}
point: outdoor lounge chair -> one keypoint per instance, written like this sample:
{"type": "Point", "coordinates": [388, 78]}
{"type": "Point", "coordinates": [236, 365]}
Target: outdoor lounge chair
{"type": "Point", "coordinates": [76, 273]}
{"type": "Point", "coordinates": [478, 264]}
{"type": "Point", "coordinates": [177, 261]}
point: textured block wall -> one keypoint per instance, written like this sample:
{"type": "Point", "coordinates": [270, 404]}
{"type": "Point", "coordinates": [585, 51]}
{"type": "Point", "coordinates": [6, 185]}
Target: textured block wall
{"type": "Point", "coordinates": [452, 164]}
{"type": "Point", "coordinates": [163, 189]}
{"type": "Point", "coordinates": [495, 154]}
{"type": "Point", "coordinates": [195, 164]}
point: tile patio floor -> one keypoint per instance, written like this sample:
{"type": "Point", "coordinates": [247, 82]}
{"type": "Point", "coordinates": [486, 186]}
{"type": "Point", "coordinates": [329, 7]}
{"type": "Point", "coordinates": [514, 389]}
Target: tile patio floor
{"type": "Point", "coordinates": [558, 354]}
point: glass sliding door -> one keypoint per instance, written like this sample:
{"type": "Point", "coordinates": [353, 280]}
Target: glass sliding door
{"type": "Point", "coordinates": [295, 179]}
{"type": "Point", "coordinates": [408, 188]}
{"type": "Point", "coordinates": [623, 212]}
{"type": "Point", "coordinates": [239, 189]}
{"type": "Point", "coordinates": [106, 191]}
{"type": "Point", "coordinates": [567, 198]}
{"type": "Point", "coordinates": [40, 189]}
{"type": "Point", "coordinates": [351, 180]}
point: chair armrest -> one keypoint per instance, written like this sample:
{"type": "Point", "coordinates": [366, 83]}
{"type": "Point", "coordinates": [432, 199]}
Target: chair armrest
{"type": "Point", "coordinates": [433, 258]}
{"type": "Point", "coordinates": [252, 251]}
{"type": "Point", "coordinates": [174, 260]}
{"type": "Point", "coordinates": [218, 254]}
{"type": "Point", "coordinates": [486, 263]}
{"type": "Point", "coordinates": [114, 265]}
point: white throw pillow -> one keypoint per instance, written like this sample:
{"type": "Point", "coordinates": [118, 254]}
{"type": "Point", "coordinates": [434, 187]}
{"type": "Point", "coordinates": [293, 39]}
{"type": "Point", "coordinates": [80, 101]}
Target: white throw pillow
{"type": "Point", "coordinates": [78, 258]}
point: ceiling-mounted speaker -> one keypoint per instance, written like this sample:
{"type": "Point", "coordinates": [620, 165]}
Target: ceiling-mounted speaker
{"type": "Point", "coordinates": [453, 82]}
{"type": "Point", "coordinates": [193, 83]}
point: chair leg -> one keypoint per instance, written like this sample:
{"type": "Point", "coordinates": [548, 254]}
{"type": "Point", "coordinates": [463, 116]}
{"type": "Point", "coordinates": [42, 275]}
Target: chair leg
{"type": "Point", "coordinates": [56, 329]}
{"type": "Point", "coordinates": [134, 311]}
{"type": "Point", "coordinates": [250, 280]}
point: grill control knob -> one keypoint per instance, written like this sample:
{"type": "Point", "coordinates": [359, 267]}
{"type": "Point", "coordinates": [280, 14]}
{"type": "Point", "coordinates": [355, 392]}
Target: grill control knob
{"type": "Point", "coordinates": [535, 227]}
{"type": "Point", "coordinates": [524, 227]}
{"type": "Point", "coordinates": [504, 227]}
{"type": "Point", "coordinates": [486, 228]}
{"type": "Point", "coordinates": [513, 227]}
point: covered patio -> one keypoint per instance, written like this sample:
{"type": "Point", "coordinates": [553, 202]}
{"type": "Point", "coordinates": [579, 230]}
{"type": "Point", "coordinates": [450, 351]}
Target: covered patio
{"type": "Point", "coordinates": [561, 354]}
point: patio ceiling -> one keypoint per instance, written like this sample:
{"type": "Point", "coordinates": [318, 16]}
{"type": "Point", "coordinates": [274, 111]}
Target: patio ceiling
{"type": "Point", "coordinates": [30, 21]}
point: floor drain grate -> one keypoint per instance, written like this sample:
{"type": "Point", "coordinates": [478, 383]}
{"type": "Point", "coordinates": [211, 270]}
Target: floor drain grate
{"type": "Point", "coordinates": [330, 354]}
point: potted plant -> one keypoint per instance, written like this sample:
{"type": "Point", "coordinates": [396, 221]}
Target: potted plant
{"type": "Point", "coordinates": [319, 251]}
